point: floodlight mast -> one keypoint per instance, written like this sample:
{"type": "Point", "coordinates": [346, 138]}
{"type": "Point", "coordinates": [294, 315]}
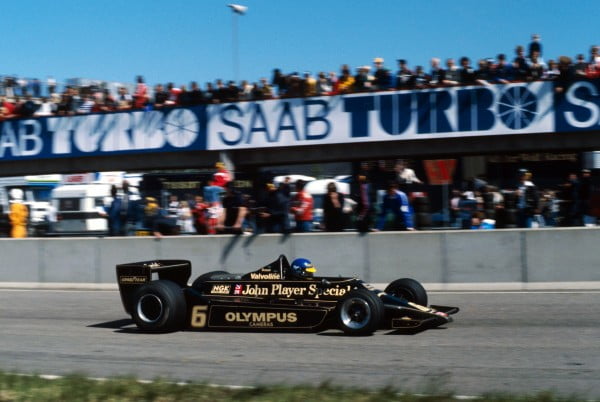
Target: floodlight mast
{"type": "Point", "coordinates": [237, 10]}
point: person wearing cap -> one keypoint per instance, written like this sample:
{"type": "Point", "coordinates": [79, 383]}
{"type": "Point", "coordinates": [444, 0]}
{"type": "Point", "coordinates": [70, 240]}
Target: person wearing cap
{"type": "Point", "coordinates": [18, 214]}
{"type": "Point", "coordinates": [382, 79]}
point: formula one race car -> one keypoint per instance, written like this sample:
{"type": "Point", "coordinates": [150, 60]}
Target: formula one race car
{"type": "Point", "coordinates": [277, 297]}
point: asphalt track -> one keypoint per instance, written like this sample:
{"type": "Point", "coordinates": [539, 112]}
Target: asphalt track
{"type": "Point", "coordinates": [500, 341]}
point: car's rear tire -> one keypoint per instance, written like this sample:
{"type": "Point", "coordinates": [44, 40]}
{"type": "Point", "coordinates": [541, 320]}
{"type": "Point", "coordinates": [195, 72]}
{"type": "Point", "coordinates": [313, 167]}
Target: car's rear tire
{"type": "Point", "coordinates": [359, 312]}
{"type": "Point", "coordinates": [408, 289]}
{"type": "Point", "coordinates": [159, 306]}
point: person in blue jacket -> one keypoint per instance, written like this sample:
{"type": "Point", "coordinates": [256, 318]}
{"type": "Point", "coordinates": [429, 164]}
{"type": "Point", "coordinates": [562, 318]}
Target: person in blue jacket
{"type": "Point", "coordinates": [395, 202]}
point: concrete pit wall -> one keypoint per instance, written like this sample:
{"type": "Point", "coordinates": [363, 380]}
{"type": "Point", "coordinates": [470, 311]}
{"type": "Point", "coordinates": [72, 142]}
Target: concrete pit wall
{"type": "Point", "coordinates": [444, 257]}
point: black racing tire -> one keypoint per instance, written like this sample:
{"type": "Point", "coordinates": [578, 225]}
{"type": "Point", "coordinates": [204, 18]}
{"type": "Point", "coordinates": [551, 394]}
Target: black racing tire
{"type": "Point", "coordinates": [408, 289]}
{"type": "Point", "coordinates": [359, 313]}
{"type": "Point", "coordinates": [205, 277]}
{"type": "Point", "coordinates": [159, 306]}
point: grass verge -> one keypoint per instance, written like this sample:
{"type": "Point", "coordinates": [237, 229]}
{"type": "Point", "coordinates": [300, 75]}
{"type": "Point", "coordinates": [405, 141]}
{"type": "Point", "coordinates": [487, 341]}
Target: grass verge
{"type": "Point", "coordinates": [16, 387]}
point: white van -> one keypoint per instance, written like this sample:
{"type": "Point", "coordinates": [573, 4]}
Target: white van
{"type": "Point", "coordinates": [79, 209]}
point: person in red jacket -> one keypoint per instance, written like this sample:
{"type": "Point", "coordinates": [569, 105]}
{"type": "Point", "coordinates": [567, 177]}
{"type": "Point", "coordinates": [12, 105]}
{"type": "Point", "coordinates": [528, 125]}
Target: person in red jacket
{"type": "Point", "coordinates": [302, 208]}
{"type": "Point", "coordinates": [222, 176]}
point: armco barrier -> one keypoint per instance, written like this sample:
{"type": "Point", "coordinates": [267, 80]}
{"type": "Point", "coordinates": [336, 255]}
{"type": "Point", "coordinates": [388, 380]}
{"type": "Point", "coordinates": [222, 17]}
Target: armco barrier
{"type": "Point", "coordinates": [446, 257]}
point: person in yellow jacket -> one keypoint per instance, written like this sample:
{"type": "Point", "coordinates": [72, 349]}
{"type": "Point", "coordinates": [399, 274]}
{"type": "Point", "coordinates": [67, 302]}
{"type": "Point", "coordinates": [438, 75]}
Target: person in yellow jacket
{"type": "Point", "coordinates": [18, 214]}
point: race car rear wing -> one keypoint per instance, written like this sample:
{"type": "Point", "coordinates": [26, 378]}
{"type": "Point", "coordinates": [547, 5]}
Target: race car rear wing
{"type": "Point", "coordinates": [131, 276]}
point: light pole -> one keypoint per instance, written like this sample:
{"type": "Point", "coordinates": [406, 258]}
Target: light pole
{"type": "Point", "coordinates": [237, 10]}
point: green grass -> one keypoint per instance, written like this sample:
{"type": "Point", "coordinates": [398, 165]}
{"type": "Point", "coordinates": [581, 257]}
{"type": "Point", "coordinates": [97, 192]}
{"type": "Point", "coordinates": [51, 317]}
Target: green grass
{"type": "Point", "coordinates": [15, 387]}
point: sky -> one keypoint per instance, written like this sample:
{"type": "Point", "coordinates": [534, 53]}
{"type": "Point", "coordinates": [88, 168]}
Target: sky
{"type": "Point", "coordinates": [181, 41]}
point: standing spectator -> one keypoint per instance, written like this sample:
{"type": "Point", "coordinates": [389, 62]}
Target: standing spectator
{"type": "Point", "coordinates": [484, 74]}
{"type": "Point", "coordinates": [537, 67]}
{"type": "Point", "coordinates": [46, 108]}
{"type": "Point", "coordinates": [528, 199]}
{"type": "Point", "coordinates": [173, 206]}
{"type": "Point", "coordinates": [535, 46]}
{"type": "Point", "coordinates": [467, 209]}
{"type": "Point", "coordinates": [140, 96]}
{"type": "Point", "coordinates": [383, 79]}
{"type": "Point", "coordinates": [222, 176]}
{"type": "Point", "coordinates": [438, 74]}
{"type": "Point", "coordinates": [585, 197]}
{"type": "Point", "coordinates": [212, 196]}
{"type": "Point", "coordinates": [404, 77]}
{"type": "Point", "coordinates": [566, 74]}
{"type": "Point", "coordinates": [279, 80]}
{"type": "Point", "coordinates": [309, 85]}
{"type": "Point", "coordinates": [324, 86]}
{"type": "Point", "coordinates": [266, 89]}
{"type": "Point", "coordinates": [346, 80]}
{"type": "Point", "coordinates": [86, 106]}
{"type": "Point", "coordinates": [361, 80]}
{"type": "Point", "coordinates": [18, 214]}
{"type": "Point", "coordinates": [502, 71]}
{"type": "Point", "coordinates": [396, 203]}
{"type": "Point", "coordinates": [124, 99]}
{"type": "Point", "coordinates": [27, 108]}
{"type": "Point", "coordinates": [184, 218]}
{"type": "Point", "coordinates": [335, 83]}
{"type": "Point", "coordinates": [302, 208]}
{"type": "Point", "coordinates": [51, 85]}
{"type": "Point", "coordinates": [421, 79]}
{"type": "Point", "coordinates": [112, 212]}
{"type": "Point", "coordinates": [196, 97]}
{"type": "Point", "coordinates": [520, 66]}
{"type": "Point", "coordinates": [160, 96]}
{"type": "Point", "coordinates": [581, 67]}
{"type": "Point", "coordinates": [552, 73]}
{"type": "Point", "coordinates": [455, 218]}
{"type": "Point", "coordinates": [575, 212]}
{"type": "Point", "coordinates": [273, 213]}
{"type": "Point", "coordinates": [333, 209]}
{"type": "Point", "coordinates": [199, 213]}
{"type": "Point", "coordinates": [36, 88]}
{"type": "Point", "coordinates": [128, 210]}
{"type": "Point", "coordinates": [452, 73]}
{"type": "Point", "coordinates": [235, 211]}
{"type": "Point", "coordinates": [23, 85]}
{"type": "Point", "coordinates": [363, 195]}
{"type": "Point", "coordinates": [466, 73]}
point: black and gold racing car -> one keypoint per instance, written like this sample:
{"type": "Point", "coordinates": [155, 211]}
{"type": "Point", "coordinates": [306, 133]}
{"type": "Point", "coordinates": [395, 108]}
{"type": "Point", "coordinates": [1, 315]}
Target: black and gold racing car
{"type": "Point", "coordinates": [159, 299]}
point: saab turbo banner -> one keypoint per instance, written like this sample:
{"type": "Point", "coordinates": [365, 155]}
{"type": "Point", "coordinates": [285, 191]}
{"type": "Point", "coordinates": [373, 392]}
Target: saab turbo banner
{"type": "Point", "coordinates": [365, 117]}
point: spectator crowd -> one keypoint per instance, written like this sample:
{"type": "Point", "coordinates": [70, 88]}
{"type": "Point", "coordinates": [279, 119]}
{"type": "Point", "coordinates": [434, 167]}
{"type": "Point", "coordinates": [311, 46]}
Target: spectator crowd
{"type": "Point", "coordinates": [20, 97]}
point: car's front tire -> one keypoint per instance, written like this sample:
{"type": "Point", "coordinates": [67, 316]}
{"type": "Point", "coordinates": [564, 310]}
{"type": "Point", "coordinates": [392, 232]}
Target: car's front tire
{"type": "Point", "coordinates": [408, 289]}
{"type": "Point", "coordinates": [360, 312]}
{"type": "Point", "coordinates": [159, 306]}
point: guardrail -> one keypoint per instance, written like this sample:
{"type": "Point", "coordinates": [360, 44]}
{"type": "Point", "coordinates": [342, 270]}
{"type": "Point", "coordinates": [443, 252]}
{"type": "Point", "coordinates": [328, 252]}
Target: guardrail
{"type": "Point", "coordinates": [442, 257]}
